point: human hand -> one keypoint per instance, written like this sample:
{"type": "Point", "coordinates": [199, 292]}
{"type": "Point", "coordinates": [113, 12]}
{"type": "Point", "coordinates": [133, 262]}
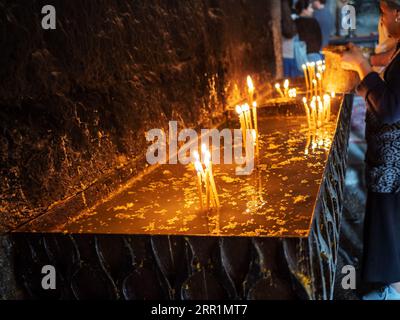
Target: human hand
{"type": "Point", "coordinates": [354, 60]}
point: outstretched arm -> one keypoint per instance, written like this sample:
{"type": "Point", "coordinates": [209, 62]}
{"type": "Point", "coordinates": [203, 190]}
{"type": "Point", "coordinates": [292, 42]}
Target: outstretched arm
{"type": "Point", "coordinates": [383, 97]}
{"type": "Point", "coordinates": [382, 59]}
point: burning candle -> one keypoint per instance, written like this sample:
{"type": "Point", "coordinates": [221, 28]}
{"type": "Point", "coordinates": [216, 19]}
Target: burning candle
{"type": "Point", "coordinates": [306, 152]}
{"type": "Point", "coordinates": [305, 71]}
{"type": "Point", "coordinates": [319, 77]}
{"type": "Point", "coordinates": [199, 170]}
{"type": "Point", "coordinates": [312, 65]}
{"type": "Point", "coordinates": [292, 93]}
{"type": "Point", "coordinates": [254, 109]}
{"type": "Point", "coordinates": [313, 112]}
{"type": "Point", "coordinates": [247, 116]}
{"type": "Point", "coordinates": [315, 87]}
{"type": "Point", "coordinates": [278, 88]}
{"type": "Point", "coordinates": [327, 106]}
{"type": "Point", "coordinates": [254, 135]}
{"type": "Point", "coordinates": [286, 87]}
{"type": "Point", "coordinates": [208, 164]}
{"type": "Point", "coordinates": [206, 177]}
{"type": "Point", "coordinates": [207, 190]}
{"type": "Point", "coordinates": [250, 87]}
{"type": "Point", "coordinates": [307, 112]}
{"type": "Point", "coordinates": [320, 112]}
{"type": "Point", "coordinates": [310, 74]}
{"type": "Point", "coordinates": [242, 122]}
{"type": "Point", "coordinates": [201, 176]}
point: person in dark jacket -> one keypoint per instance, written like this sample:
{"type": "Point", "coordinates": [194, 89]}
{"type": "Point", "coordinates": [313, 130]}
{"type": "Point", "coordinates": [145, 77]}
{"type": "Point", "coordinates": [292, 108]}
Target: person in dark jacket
{"type": "Point", "coordinates": [381, 258]}
{"type": "Point", "coordinates": [309, 30]}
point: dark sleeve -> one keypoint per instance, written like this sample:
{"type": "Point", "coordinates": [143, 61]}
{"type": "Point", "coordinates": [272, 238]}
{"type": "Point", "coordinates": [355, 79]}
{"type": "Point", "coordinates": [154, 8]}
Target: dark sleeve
{"type": "Point", "coordinates": [289, 29]}
{"type": "Point", "coordinates": [383, 97]}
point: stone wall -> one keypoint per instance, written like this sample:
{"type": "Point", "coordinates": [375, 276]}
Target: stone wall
{"type": "Point", "coordinates": [75, 102]}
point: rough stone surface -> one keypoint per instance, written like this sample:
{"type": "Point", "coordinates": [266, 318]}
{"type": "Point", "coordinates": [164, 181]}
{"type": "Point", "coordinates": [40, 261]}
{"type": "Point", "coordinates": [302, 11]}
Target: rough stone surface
{"type": "Point", "coordinates": [75, 102]}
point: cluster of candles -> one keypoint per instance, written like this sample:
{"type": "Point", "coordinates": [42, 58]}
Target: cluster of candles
{"type": "Point", "coordinates": [317, 104]}
{"type": "Point", "coordinates": [287, 92]}
{"type": "Point", "coordinates": [248, 116]}
{"type": "Point", "coordinates": [314, 77]}
{"type": "Point", "coordinates": [205, 179]}
{"type": "Point", "coordinates": [318, 111]}
{"type": "Point", "coordinates": [318, 139]}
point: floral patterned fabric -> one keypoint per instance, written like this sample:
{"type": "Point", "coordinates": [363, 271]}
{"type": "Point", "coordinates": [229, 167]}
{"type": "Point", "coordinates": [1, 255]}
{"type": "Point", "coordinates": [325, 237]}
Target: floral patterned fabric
{"type": "Point", "coordinates": [382, 96]}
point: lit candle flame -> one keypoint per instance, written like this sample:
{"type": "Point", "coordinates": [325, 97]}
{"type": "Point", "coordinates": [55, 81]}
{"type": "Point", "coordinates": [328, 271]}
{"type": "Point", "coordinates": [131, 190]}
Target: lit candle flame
{"type": "Point", "coordinates": [196, 156]}
{"type": "Point", "coordinates": [198, 166]}
{"type": "Point", "coordinates": [286, 84]}
{"type": "Point", "coordinates": [250, 84]}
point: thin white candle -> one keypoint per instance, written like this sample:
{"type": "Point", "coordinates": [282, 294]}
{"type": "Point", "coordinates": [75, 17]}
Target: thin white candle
{"type": "Point", "coordinates": [246, 111]}
{"type": "Point", "coordinates": [278, 88]}
{"type": "Point", "coordinates": [305, 71]}
{"type": "Point", "coordinates": [255, 118]}
{"type": "Point", "coordinates": [208, 164]}
{"type": "Point", "coordinates": [242, 122]}
{"type": "Point", "coordinates": [286, 87]}
{"type": "Point", "coordinates": [199, 170]}
{"type": "Point", "coordinates": [307, 112]}
{"type": "Point", "coordinates": [251, 89]}
{"type": "Point", "coordinates": [327, 104]}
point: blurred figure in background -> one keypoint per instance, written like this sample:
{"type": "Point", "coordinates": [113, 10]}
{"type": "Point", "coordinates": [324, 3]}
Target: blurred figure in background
{"type": "Point", "coordinates": [289, 31]}
{"type": "Point", "coordinates": [309, 30]}
{"type": "Point", "coordinates": [384, 50]}
{"type": "Point", "coordinates": [325, 19]}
